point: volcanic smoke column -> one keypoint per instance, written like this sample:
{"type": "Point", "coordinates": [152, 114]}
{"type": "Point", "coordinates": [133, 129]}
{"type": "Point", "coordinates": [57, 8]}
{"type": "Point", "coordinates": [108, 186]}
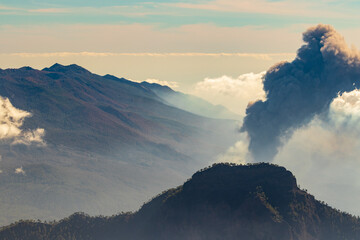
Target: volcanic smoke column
{"type": "Point", "coordinates": [297, 91]}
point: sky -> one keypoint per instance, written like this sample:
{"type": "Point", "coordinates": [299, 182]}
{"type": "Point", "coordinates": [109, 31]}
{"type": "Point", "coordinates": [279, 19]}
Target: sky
{"type": "Point", "coordinates": [216, 49]}
{"type": "Point", "coordinates": [178, 41]}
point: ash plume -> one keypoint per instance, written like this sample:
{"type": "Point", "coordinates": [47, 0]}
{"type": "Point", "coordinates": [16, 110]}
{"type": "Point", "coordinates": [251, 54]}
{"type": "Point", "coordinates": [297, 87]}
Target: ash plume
{"type": "Point", "coordinates": [297, 91]}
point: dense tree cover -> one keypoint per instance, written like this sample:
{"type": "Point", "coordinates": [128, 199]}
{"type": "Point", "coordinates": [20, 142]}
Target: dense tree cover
{"type": "Point", "coordinates": [225, 201]}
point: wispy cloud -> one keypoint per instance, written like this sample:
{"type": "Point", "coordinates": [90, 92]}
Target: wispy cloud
{"type": "Point", "coordinates": [2, 7]}
{"type": "Point", "coordinates": [50, 10]}
{"type": "Point", "coordinates": [263, 56]}
{"type": "Point", "coordinates": [148, 38]}
{"type": "Point", "coordinates": [139, 10]}
{"type": "Point", "coordinates": [287, 8]}
{"type": "Point", "coordinates": [170, 84]}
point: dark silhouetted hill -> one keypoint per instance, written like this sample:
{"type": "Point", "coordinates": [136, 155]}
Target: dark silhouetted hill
{"type": "Point", "coordinates": [252, 202]}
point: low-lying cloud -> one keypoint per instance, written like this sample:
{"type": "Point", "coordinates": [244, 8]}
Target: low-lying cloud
{"type": "Point", "coordinates": [298, 91]}
{"type": "Point", "coordinates": [19, 170]}
{"type": "Point", "coordinates": [233, 93]}
{"type": "Point", "coordinates": [11, 121]}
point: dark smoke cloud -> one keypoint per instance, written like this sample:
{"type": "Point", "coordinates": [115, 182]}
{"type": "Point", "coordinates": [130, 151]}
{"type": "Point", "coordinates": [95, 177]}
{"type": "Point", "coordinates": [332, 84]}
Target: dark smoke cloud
{"type": "Point", "coordinates": [297, 91]}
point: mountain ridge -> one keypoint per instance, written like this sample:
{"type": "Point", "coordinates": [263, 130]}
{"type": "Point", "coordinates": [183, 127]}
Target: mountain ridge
{"type": "Point", "coordinates": [106, 138]}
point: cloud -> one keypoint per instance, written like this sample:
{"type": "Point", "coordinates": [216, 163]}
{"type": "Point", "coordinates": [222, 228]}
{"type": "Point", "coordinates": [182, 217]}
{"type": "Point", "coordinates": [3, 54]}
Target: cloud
{"type": "Point", "coordinates": [11, 121]}
{"type": "Point", "coordinates": [50, 10]}
{"type": "Point", "coordinates": [147, 38]}
{"type": "Point", "coordinates": [324, 154]}
{"type": "Point", "coordinates": [346, 107]}
{"type": "Point", "coordinates": [286, 8]}
{"type": "Point", "coordinates": [233, 93]}
{"type": "Point", "coordinates": [324, 157]}
{"type": "Point", "coordinates": [298, 91]}
{"type": "Point", "coordinates": [2, 7]}
{"type": "Point", "coordinates": [262, 56]}
{"type": "Point", "coordinates": [19, 170]}
{"type": "Point", "coordinates": [31, 137]}
{"type": "Point", "coordinates": [238, 153]}
{"type": "Point", "coordinates": [162, 82]}
{"type": "Point", "coordinates": [344, 114]}
{"type": "Point", "coordinates": [123, 10]}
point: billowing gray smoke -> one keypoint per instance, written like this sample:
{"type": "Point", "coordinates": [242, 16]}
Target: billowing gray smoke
{"type": "Point", "coordinates": [324, 67]}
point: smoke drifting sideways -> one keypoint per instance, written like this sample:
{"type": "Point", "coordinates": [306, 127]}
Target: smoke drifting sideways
{"type": "Point", "coordinates": [298, 91]}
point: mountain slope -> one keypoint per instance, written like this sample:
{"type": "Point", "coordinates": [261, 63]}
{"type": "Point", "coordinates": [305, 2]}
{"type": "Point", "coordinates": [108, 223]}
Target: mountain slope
{"type": "Point", "coordinates": [253, 202]}
{"type": "Point", "coordinates": [191, 103]}
{"type": "Point", "coordinates": [107, 139]}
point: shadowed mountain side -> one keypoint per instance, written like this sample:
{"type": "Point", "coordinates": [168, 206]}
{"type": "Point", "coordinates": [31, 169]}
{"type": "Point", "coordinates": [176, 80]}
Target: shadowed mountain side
{"type": "Point", "coordinates": [253, 202]}
{"type": "Point", "coordinates": [191, 103]}
{"type": "Point", "coordinates": [111, 144]}
{"type": "Point", "coordinates": [81, 109]}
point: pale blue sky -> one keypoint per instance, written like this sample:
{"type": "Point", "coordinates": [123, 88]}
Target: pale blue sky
{"type": "Point", "coordinates": [18, 17]}
{"type": "Point", "coordinates": [106, 28]}
{"type": "Point", "coordinates": [169, 13]}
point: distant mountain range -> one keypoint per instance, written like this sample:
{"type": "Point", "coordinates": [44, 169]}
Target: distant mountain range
{"type": "Point", "coordinates": [249, 202]}
{"type": "Point", "coordinates": [191, 103]}
{"type": "Point", "coordinates": [110, 143]}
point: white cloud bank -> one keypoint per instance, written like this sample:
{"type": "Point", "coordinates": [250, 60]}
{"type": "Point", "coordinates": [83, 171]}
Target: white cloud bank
{"type": "Point", "coordinates": [233, 93]}
{"type": "Point", "coordinates": [11, 121]}
{"type": "Point", "coordinates": [345, 110]}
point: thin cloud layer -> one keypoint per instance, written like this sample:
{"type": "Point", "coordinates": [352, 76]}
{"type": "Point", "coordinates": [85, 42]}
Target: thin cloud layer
{"type": "Point", "coordinates": [297, 91]}
{"type": "Point", "coordinates": [292, 8]}
{"type": "Point", "coordinates": [262, 56]}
